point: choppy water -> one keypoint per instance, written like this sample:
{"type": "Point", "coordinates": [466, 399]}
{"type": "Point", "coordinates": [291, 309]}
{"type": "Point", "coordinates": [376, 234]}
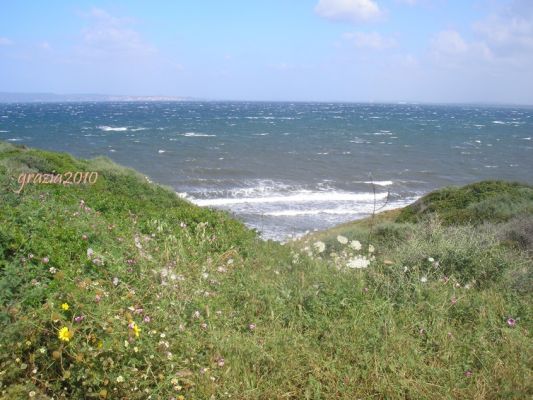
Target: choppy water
{"type": "Point", "coordinates": [285, 168]}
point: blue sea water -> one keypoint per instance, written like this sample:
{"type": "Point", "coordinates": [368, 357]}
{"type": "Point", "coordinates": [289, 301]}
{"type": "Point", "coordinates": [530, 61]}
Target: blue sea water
{"type": "Point", "coordinates": [286, 168]}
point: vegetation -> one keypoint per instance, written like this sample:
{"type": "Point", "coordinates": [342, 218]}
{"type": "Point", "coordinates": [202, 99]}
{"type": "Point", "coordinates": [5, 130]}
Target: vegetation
{"type": "Point", "coordinates": [122, 290]}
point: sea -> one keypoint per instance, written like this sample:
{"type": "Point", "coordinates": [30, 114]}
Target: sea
{"type": "Point", "coordinates": [285, 169]}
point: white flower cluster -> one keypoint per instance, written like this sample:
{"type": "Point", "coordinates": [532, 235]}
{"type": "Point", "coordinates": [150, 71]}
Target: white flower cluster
{"type": "Point", "coordinates": [349, 257]}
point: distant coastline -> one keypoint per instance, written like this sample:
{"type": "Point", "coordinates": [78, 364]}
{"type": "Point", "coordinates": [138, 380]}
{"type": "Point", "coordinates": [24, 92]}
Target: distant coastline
{"type": "Point", "coordinates": [6, 97]}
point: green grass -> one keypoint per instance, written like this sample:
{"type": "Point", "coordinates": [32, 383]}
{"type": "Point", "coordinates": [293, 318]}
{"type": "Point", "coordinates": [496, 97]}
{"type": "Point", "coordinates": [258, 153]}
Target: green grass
{"type": "Point", "coordinates": [223, 314]}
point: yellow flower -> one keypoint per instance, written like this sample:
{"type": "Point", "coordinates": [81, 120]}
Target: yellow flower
{"type": "Point", "coordinates": [65, 306]}
{"type": "Point", "coordinates": [65, 334]}
{"type": "Point", "coordinates": [136, 330]}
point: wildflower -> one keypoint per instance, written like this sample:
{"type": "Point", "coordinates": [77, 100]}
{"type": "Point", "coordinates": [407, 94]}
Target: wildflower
{"type": "Point", "coordinates": [371, 248]}
{"type": "Point", "coordinates": [355, 244]}
{"type": "Point", "coordinates": [115, 281]}
{"type": "Point", "coordinates": [203, 325]}
{"type": "Point", "coordinates": [42, 350]}
{"type": "Point", "coordinates": [365, 290]}
{"type": "Point", "coordinates": [90, 253]}
{"type": "Point", "coordinates": [146, 319]}
{"type": "Point", "coordinates": [319, 246]}
{"type": "Point", "coordinates": [196, 314]}
{"type": "Point", "coordinates": [84, 237]}
{"type": "Point", "coordinates": [65, 334]}
{"type": "Point", "coordinates": [222, 270]}
{"type": "Point", "coordinates": [342, 239]}
{"type": "Point", "coordinates": [120, 379]}
{"type": "Point", "coordinates": [251, 327]}
{"type": "Point", "coordinates": [468, 373]}
{"type": "Point", "coordinates": [421, 331]}
{"type": "Point", "coordinates": [358, 262]}
{"type": "Point", "coordinates": [424, 279]}
{"type": "Point", "coordinates": [32, 394]}
{"type": "Point", "coordinates": [431, 259]}
{"type": "Point", "coordinates": [453, 300]}
{"type": "Point", "coordinates": [136, 330]}
{"type": "Point", "coordinates": [45, 260]}
{"type": "Point", "coordinates": [97, 298]}
{"type": "Point", "coordinates": [511, 322]}
{"type": "Point", "coordinates": [65, 306]}
{"type": "Point", "coordinates": [79, 318]}
{"type": "Point", "coordinates": [220, 362]}
{"type": "Point", "coordinates": [52, 270]}
{"type": "Point", "coordinates": [203, 370]}
{"type": "Point", "coordinates": [30, 256]}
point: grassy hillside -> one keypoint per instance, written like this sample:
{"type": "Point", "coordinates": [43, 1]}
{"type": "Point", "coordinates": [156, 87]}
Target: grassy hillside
{"type": "Point", "coordinates": [121, 290]}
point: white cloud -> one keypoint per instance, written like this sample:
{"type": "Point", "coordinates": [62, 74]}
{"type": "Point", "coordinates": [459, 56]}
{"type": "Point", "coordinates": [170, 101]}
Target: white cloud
{"type": "Point", "coordinates": [109, 35]}
{"type": "Point", "coordinates": [348, 10]}
{"type": "Point", "coordinates": [450, 49]}
{"type": "Point", "coordinates": [449, 42]}
{"type": "Point", "coordinates": [509, 33]}
{"type": "Point", "coordinates": [5, 41]}
{"type": "Point", "coordinates": [370, 40]}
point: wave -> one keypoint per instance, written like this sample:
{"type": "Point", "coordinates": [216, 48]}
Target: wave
{"type": "Point", "coordinates": [4, 131]}
{"type": "Point", "coordinates": [380, 183]}
{"type": "Point", "coordinates": [297, 213]}
{"type": "Point", "coordinates": [194, 134]}
{"type": "Point", "coordinates": [138, 129]}
{"type": "Point", "coordinates": [301, 197]}
{"type": "Point", "coordinates": [106, 128]}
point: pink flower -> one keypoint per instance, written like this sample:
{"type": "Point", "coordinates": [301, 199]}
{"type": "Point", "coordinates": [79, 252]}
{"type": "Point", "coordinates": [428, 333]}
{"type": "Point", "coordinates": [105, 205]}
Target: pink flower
{"type": "Point", "coordinates": [220, 362]}
{"type": "Point", "coordinates": [147, 319]}
{"type": "Point", "coordinates": [511, 322]}
{"type": "Point", "coordinates": [79, 318]}
{"type": "Point", "coordinates": [365, 290]}
{"type": "Point", "coordinates": [203, 325]}
{"type": "Point", "coordinates": [468, 373]}
{"type": "Point", "coordinates": [251, 327]}
{"type": "Point", "coordinates": [97, 298]}
{"type": "Point", "coordinates": [453, 300]}
{"type": "Point", "coordinates": [45, 260]}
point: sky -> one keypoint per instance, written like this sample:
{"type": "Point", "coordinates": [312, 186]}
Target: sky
{"type": "Point", "coordinates": [440, 51]}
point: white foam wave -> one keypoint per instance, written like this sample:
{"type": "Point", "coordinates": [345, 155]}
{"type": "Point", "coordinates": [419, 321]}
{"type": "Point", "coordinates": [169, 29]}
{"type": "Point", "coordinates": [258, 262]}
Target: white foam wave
{"type": "Point", "coordinates": [499, 122]}
{"type": "Point", "coordinates": [4, 131]}
{"type": "Point", "coordinates": [380, 183]}
{"type": "Point", "coordinates": [194, 134]}
{"type": "Point", "coordinates": [106, 128]}
{"type": "Point", "coordinates": [160, 151]}
{"type": "Point", "coordinates": [297, 213]}
{"type": "Point", "coordinates": [300, 197]}
{"type": "Point", "coordinates": [138, 129]}
{"type": "Point", "coordinates": [14, 140]}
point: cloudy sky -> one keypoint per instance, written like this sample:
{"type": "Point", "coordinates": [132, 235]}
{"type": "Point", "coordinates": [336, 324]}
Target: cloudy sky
{"type": "Point", "coordinates": [309, 50]}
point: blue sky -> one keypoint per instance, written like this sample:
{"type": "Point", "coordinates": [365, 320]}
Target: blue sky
{"type": "Point", "coordinates": [308, 50]}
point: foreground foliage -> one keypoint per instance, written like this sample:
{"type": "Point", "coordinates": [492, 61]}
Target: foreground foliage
{"type": "Point", "coordinates": [121, 290]}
